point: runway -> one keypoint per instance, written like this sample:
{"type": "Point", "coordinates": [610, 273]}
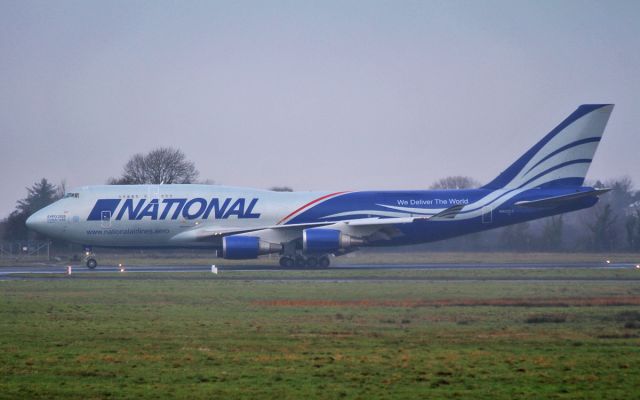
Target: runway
{"type": "Point", "coordinates": [247, 272]}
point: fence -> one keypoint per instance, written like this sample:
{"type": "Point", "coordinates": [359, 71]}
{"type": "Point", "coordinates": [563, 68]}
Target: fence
{"type": "Point", "coordinates": [25, 249]}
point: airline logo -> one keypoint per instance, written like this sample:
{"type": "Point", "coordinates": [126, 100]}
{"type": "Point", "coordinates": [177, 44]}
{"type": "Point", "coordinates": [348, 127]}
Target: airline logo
{"type": "Point", "coordinates": [172, 209]}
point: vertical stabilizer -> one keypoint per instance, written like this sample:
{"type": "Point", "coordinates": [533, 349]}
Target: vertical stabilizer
{"type": "Point", "coordinates": [561, 158]}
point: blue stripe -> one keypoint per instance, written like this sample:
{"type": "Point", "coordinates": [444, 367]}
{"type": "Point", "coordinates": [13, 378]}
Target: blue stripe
{"type": "Point", "coordinates": [507, 176]}
{"type": "Point", "coordinates": [491, 202]}
{"type": "Point", "coordinates": [565, 182]}
{"type": "Point", "coordinates": [103, 205]}
{"type": "Point", "coordinates": [568, 181]}
{"type": "Point", "coordinates": [563, 148]}
{"type": "Point", "coordinates": [562, 165]}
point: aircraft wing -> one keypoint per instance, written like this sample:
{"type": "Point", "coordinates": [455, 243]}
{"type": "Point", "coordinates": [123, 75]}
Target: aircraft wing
{"type": "Point", "coordinates": [205, 233]}
{"type": "Point", "coordinates": [559, 200]}
{"type": "Point", "coordinates": [285, 233]}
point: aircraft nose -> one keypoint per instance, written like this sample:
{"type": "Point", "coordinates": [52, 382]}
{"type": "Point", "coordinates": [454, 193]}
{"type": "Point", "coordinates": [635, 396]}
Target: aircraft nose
{"type": "Point", "coordinates": [36, 221]}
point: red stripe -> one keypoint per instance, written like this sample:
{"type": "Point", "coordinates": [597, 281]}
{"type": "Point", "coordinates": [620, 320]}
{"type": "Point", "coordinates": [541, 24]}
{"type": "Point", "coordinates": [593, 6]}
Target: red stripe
{"type": "Point", "coordinates": [309, 204]}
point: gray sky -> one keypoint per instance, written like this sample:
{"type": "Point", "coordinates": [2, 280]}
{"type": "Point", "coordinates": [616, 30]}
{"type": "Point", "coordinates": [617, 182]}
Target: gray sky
{"type": "Point", "coordinates": [314, 95]}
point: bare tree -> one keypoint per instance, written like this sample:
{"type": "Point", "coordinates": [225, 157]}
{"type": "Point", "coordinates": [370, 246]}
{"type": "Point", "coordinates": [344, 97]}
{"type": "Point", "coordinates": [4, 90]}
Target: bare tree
{"type": "Point", "coordinates": [281, 189]}
{"type": "Point", "coordinates": [517, 237]}
{"type": "Point", "coordinates": [455, 182]}
{"type": "Point", "coordinates": [61, 189]}
{"type": "Point", "coordinates": [603, 228]}
{"type": "Point", "coordinates": [622, 194]}
{"type": "Point", "coordinates": [632, 227]}
{"type": "Point", "coordinates": [164, 165]}
{"type": "Point", "coordinates": [551, 238]}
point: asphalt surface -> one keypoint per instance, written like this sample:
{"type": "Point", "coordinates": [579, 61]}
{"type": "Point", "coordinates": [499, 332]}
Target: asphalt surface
{"type": "Point", "coordinates": [52, 272]}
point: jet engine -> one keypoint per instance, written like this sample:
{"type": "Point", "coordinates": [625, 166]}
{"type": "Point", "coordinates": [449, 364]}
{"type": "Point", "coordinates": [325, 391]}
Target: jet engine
{"type": "Point", "coordinates": [320, 240]}
{"type": "Point", "coordinates": [247, 247]}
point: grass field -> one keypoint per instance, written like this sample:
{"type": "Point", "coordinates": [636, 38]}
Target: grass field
{"type": "Point", "coordinates": [155, 257]}
{"type": "Point", "coordinates": [220, 338]}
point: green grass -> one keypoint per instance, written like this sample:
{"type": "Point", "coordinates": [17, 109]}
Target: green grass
{"type": "Point", "coordinates": [220, 338]}
{"type": "Point", "coordinates": [392, 256]}
{"type": "Point", "coordinates": [548, 273]}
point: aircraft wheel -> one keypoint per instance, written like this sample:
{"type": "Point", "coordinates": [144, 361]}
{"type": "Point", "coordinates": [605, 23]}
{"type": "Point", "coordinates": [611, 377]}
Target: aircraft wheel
{"type": "Point", "coordinates": [300, 261]}
{"type": "Point", "coordinates": [92, 263]}
{"type": "Point", "coordinates": [312, 262]}
{"type": "Point", "coordinates": [286, 262]}
{"type": "Point", "coordinates": [324, 262]}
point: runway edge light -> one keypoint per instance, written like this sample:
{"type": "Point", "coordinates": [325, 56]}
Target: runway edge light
{"type": "Point", "coordinates": [68, 269]}
{"type": "Point", "coordinates": [214, 269]}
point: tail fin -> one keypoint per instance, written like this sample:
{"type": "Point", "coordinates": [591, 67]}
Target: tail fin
{"type": "Point", "coordinates": [561, 158]}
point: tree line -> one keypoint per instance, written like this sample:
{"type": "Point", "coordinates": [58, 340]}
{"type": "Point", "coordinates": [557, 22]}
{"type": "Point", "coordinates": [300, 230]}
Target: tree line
{"type": "Point", "coordinates": [612, 225]}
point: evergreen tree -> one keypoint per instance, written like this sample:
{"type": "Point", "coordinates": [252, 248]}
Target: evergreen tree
{"type": "Point", "coordinates": [40, 195]}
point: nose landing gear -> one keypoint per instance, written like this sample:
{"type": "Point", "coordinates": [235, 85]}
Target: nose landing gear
{"type": "Point", "coordinates": [90, 258]}
{"type": "Point", "coordinates": [92, 263]}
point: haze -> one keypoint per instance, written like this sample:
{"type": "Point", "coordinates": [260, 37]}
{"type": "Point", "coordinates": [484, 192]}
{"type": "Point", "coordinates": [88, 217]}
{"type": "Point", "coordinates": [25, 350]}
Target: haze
{"type": "Point", "coordinates": [313, 95]}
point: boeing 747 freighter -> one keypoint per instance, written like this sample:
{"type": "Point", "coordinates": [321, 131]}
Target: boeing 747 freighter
{"type": "Point", "coordinates": [306, 228]}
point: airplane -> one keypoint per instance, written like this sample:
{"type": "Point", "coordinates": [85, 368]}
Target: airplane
{"type": "Point", "coordinates": [307, 228]}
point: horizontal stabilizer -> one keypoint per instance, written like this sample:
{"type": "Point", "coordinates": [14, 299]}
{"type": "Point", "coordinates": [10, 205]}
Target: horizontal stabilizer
{"type": "Point", "coordinates": [559, 200]}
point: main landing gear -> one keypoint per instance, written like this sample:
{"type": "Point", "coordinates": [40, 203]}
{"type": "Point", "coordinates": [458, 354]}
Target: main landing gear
{"type": "Point", "coordinates": [301, 261]}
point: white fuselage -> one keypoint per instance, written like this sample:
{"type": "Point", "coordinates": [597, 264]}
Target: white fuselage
{"type": "Point", "coordinates": [163, 215]}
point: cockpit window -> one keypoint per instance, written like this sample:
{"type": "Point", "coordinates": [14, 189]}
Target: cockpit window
{"type": "Point", "coordinates": [76, 195]}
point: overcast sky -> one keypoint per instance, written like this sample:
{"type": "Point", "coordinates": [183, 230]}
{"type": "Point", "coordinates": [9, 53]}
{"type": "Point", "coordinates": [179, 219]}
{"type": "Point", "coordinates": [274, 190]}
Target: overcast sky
{"type": "Point", "coordinates": [314, 95]}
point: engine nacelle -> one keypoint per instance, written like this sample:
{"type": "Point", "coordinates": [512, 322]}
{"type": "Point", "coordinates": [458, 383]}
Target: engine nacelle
{"type": "Point", "coordinates": [320, 240]}
{"type": "Point", "coordinates": [246, 247]}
